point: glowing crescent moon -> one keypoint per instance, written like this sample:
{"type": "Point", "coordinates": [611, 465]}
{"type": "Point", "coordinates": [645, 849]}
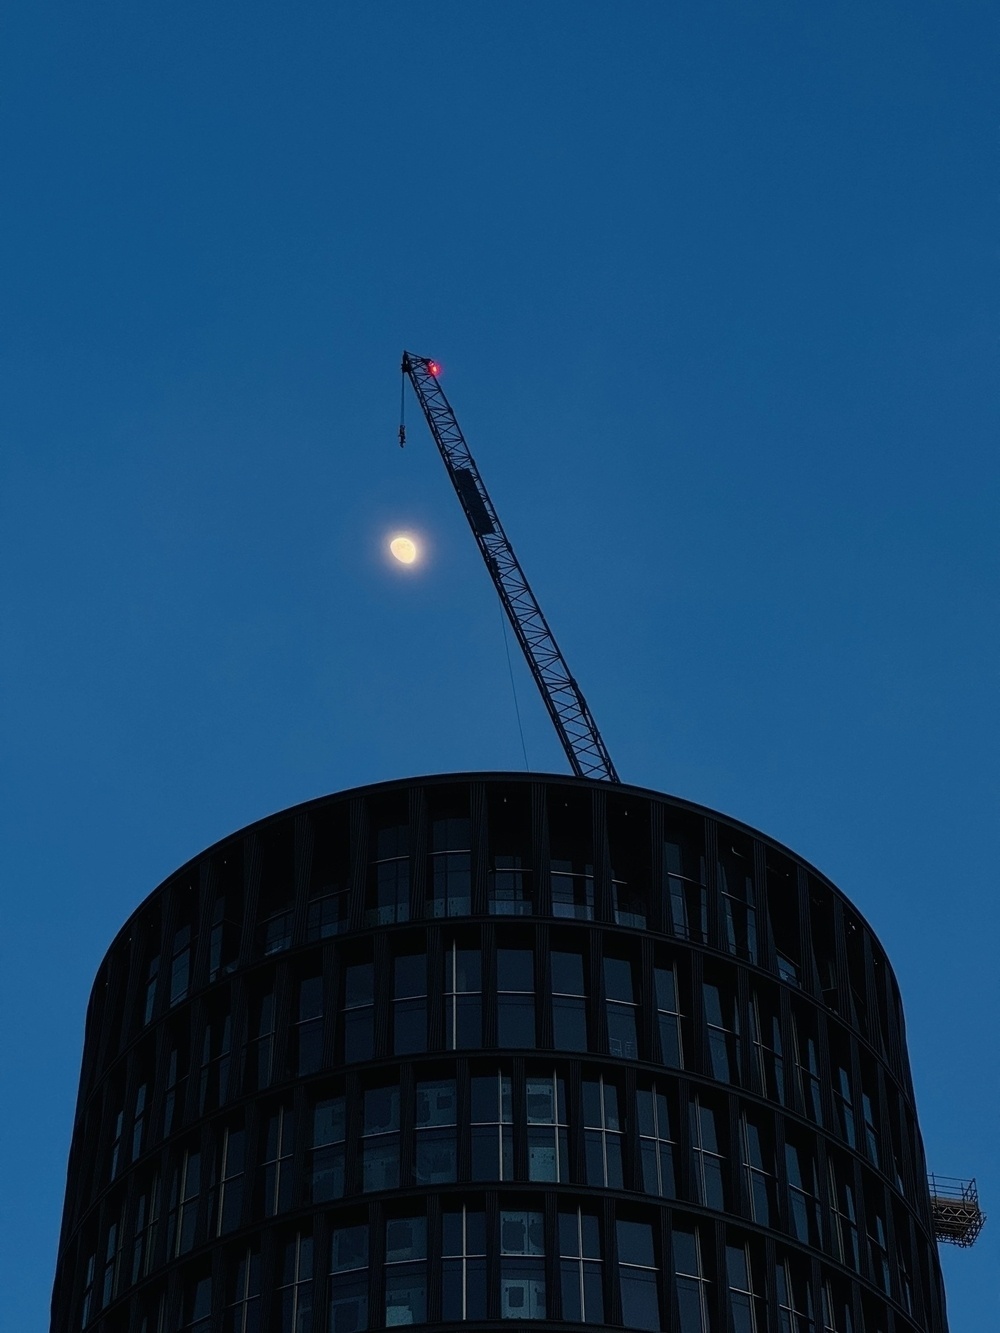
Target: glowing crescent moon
{"type": "Point", "coordinates": [404, 549]}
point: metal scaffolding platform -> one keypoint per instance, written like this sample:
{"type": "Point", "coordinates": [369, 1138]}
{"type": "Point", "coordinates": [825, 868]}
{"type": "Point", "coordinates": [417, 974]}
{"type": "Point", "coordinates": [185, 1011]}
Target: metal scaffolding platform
{"type": "Point", "coordinates": [958, 1219]}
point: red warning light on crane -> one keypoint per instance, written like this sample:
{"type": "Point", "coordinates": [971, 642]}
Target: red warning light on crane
{"type": "Point", "coordinates": [434, 368]}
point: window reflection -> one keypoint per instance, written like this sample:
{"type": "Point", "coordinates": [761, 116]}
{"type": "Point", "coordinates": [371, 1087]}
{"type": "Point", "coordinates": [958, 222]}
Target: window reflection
{"type": "Point", "coordinates": [515, 998]}
{"type": "Point", "coordinates": [409, 1007]}
{"type": "Point", "coordinates": [463, 1020]}
{"type": "Point", "coordinates": [637, 1275]}
{"type": "Point", "coordinates": [327, 1154]}
{"type": "Point", "coordinates": [389, 888]}
{"type": "Point", "coordinates": [569, 1002]}
{"type": "Point", "coordinates": [548, 1139]}
{"type": "Point", "coordinates": [522, 1265]}
{"type": "Point", "coordinates": [656, 1145]}
{"type": "Point", "coordinates": [405, 1271]}
{"type": "Point", "coordinates": [707, 1156]}
{"type": "Point", "coordinates": [436, 1119]}
{"type": "Point", "coordinates": [492, 1128]}
{"type": "Point", "coordinates": [581, 1285]}
{"type": "Point", "coordinates": [380, 1145]}
{"type": "Point", "coordinates": [451, 868]}
{"type": "Point", "coordinates": [359, 1011]}
{"type": "Point", "coordinates": [602, 1135]}
{"type": "Point", "coordinates": [684, 880]}
{"type": "Point", "coordinates": [620, 1008]}
{"type": "Point", "coordinates": [463, 1264]}
{"type": "Point", "coordinates": [349, 1280]}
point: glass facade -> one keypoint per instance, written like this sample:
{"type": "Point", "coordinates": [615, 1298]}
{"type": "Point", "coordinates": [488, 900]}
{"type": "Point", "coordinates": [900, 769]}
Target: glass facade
{"type": "Point", "coordinates": [494, 1048]}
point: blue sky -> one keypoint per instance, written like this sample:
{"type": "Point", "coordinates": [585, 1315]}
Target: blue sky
{"type": "Point", "coordinates": [715, 291]}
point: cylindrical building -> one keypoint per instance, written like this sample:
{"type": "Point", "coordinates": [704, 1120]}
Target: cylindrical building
{"type": "Point", "coordinates": [492, 1047]}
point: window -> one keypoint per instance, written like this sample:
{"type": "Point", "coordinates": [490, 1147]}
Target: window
{"type": "Point", "coordinates": [380, 1145]}
{"type": "Point", "coordinates": [516, 998]}
{"type": "Point", "coordinates": [878, 1240]}
{"type": "Point", "coordinates": [837, 1315]}
{"type": "Point", "coordinates": [807, 1070]}
{"type": "Point", "coordinates": [492, 1128]}
{"type": "Point", "coordinates": [180, 965]}
{"type": "Point", "coordinates": [628, 905]}
{"type": "Point", "coordinates": [112, 1263]}
{"type": "Point", "coordinates": [151, 1320]}
{"type": "Point", "coordinates": [802, 1201]}
{"type": "Point", "coordinates": [572, 888]}
{"type": "Point", "coordinates": [328, 911]}
{"type": "Point", "coordinates": [509, 887]}
{"type": "Point", "coordinates": [768, 1060]}
{"type": "Point", "coordinates": [668, 1018]}
{"type": "Point", "coordinates": [463, 1264]}
{"type": "Point", "coordinates": [844, 1213]}
{"type": "Point", "coordinates": [276, 1168]}
{"type": "Point", "coordinates": [182, 1216]}
{"type": "Point", "coordinates": [509, 880]}
{"type": "Point", "coordinates": [620, 1008]}
{"type": "Point", "coordinates": [656, 1146]}
{"type": "Point", "coordinates": [409, 1004]}
{"type": "Point", "coordinates": [522, 1265]}
{"type": "Point", "coordinates": [359, 1010]}
{"type": "Point", "coordinates": [746, 1305]}
{"type": "Point", "coordinates": [198, 1306]}
{"type": "Point", "coordinates": [116, 1144]}
{"type": "Point", "coordinates": [602, 1136]}
{"type": "Point", "coordinates": [176, 1086]}
{"type": "Point", "coordinates": [843, 1104]}
{"type": "Point", "coordinates": [405, 1271]}
{"type": "Point", "coordinates": [216, 1057]}
{"type": "Point", "coordinates": [637, 1275]}
{"type": "Point", "coordinates": [152, 976]}
{"type": "Point", "coordinates": [226, 1206]}
{"type": "Point", "coordinates": [683, 876]}
{"type": "Point", "coordinates": [871, 1131]}
{"type": "Point", "coordinates": [580, 1267]}
{"type": "Point", "coordinates": [706, 1155]}
{"type": "Point", "coordinates": [274, 933]}
{"type": "Point", "coordinates": [463, 1018]}
{"type": "Point", "coordinates": [690, 1281]}
{"type": "Point", "coordinates": [795, 1302]}
{"type": "Point", "coordinates": [147, 1215]}
{"type": "Point", "coordinates": [389, 891]}
{"type": "Point", "coordinates": [295, 1286]}
{"type": "Point", "coordinates": [308, 1041]}
{"type": "Point", "coordinates": [758, 1172]}
{"type": "Point", "coordinates": [451, 868]}
{"type": "Point", "coordinates": [569, 1002]}
{"type": "Point", "coordinates": [87, 1310]}
{"type": "Point", "coordinates": [349, 1280]}
{"type": "Point", "coordinates": [722, 1022]}
{"type": "Point", "coordinates": [548, 1137]}
{"type": "Point", "coordinates": [261, 1061]}
{"type": "Point", "coordinates": [243, 1295]}
{"type": "Point", "coordinates": [139, 1120]}
{"type": "Point", "coordinates": [783, 910]}
{"type": "Point", "coordinates": [738, 900]}
{"type": "Point", "coordinates": [223, 941]}
{"type": "Point", "coordinates": [436, 1119]}
{"type": "Point", "coordinates": [329, 1135]}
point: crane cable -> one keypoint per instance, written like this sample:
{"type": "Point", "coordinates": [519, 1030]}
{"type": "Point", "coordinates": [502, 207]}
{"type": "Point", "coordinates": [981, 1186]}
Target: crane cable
{"type": "Point", "coordinates": [513, 687]}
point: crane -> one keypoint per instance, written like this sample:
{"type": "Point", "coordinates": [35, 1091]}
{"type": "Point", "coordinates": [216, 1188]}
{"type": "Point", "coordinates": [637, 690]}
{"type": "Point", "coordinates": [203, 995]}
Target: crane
{"type": "Point", "coordinates": [585, 749]}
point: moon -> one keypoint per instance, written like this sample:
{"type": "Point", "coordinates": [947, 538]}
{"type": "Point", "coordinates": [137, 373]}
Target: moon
{"type": "Point", "coordinates": [404, 549]}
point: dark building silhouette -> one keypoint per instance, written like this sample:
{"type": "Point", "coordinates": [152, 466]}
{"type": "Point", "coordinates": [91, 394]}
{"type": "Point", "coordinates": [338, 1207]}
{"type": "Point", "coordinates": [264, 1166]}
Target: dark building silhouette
{"type": "Point", "coordinates": [495, 1047]}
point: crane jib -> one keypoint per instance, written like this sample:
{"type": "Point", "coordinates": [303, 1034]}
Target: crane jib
{"type": "Point", "coordinates": [577, 731]}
